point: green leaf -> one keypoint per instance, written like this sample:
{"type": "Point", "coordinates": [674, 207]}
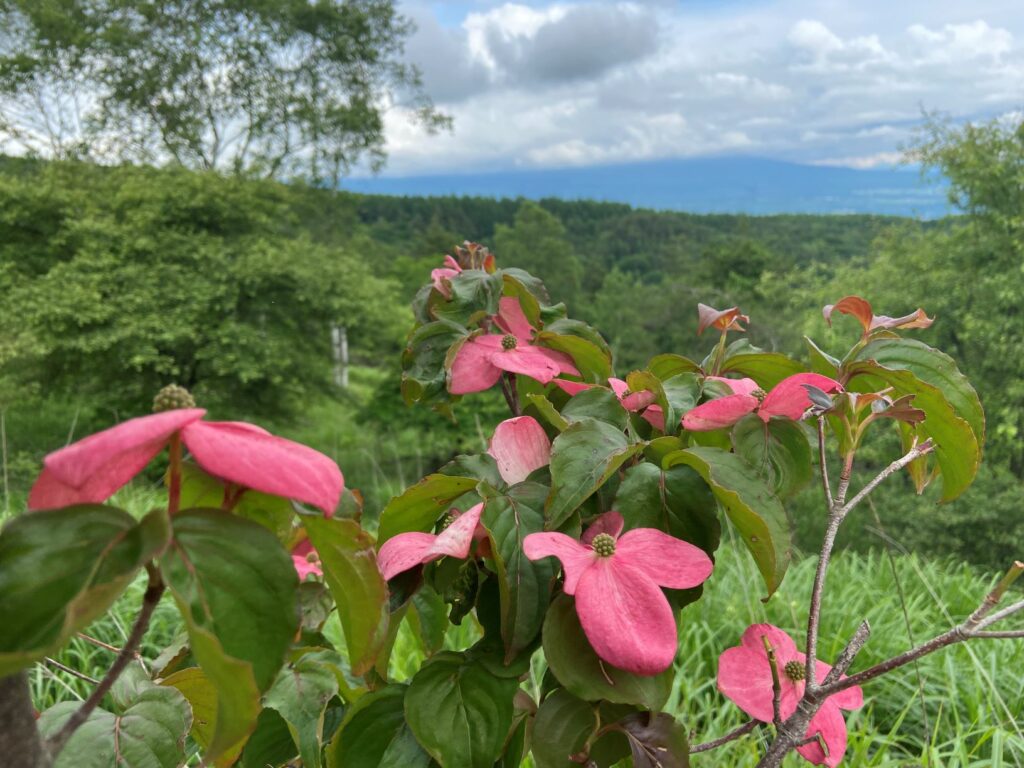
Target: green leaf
{"type": "Point", "coordinates": [195, 686]}
{"type": "Point", "coordinates": [546, 410]}
{"type": "Point", "coordinates": [656, 740]}
{"type": "Point", "coordinates": [481, 466]}
{"type": "Point", "coordinates": [524, 585]}
{"type": "Point", "coordinates": [429, 619]}
{"type": "Point", "coordinates": [148, 734]}
{"type": "Point", "coordinates": [300, 695]}
{"type": "Point", "coordinates": [766, 368]}
{"type": "Point", "coordinates": [424, 377]}
{"type": "Point", "coordinates": [527, 282]}
{"type": "Point", "coordinates": [583, 457]}
{"type": "Point", "coordinates": [200, 490]}
{"type": "Point", "coordinates": [821, 361]}
{"type": "Point", "coordinates": [778, 450]}
{"type": "Point", "coordinates": [954, 418]}
{"type": "Point", "coordinates": [235, 586]}
{"type": "Point", "coordinates": [349, 561]}
{"type": "Point", "coordinates": [530, 303]}
{"type": "Point", "coordinates": [270, 744]}
{"type": "Point", "coordinates": [667, 366]}
{"type": "Point", "coordinates": [596, 403]}
{"type": "Point", "coordinates": [420, 505]}
{"type": "Point", "coordinates": [674, 500]}
{"type": "Point", "coordinates": [459, 712]}
{"type": "Point", "coordinates": [475, 295]}
{"type": "Point", "coordinates": [593, 362]}
{"type": "Point", "coordinates": [561, 728]}
{"type": "Point", "coordinates": [61, 569]}
{"type": "Point", "coordinates": [374, 734]}
{"type": "Point", "coordinates": [676, 395]}
{"type": "Point", "coordinates": [573, 662]}
{"type": "Point", "coordinates": [750, 504]}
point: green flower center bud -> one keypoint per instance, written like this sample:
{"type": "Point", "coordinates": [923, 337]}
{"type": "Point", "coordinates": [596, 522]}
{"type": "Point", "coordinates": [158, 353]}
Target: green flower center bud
{"type": "Point", "coordinates": [603, 544]}
{"type": "Point", "coordinates": [508, 341]}
{"type": "Point", "coordinates": [172, 397]}
{"type": "Point", "coordinates": [760, 394]}
{"type": "Point", "coordinates": [794, 671]}
{"type": "Point", "coordinates": [449, 519]}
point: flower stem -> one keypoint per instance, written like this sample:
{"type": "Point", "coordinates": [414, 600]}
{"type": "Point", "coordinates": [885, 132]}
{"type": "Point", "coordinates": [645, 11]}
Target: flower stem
{"type": "Point", "coordinates": [154, 591]}
{"type": "Point", "coordinates": [174, 483]}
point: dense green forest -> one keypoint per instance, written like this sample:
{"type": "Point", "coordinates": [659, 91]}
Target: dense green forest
{"type": "Point", "coordinates": [117, 280]}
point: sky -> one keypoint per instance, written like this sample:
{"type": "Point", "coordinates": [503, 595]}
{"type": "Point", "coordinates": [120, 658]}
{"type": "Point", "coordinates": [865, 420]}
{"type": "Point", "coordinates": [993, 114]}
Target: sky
{"type": "Point", "coordinates": [536, 85]}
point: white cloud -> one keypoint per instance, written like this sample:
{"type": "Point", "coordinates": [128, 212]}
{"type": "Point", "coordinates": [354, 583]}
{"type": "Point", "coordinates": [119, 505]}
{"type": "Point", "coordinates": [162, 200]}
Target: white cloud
{"type": "Point", "coordinates": [583, 81]}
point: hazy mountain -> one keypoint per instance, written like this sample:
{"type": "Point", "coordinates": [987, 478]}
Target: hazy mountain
{"type": "Point", "coordinates": [703, 185]}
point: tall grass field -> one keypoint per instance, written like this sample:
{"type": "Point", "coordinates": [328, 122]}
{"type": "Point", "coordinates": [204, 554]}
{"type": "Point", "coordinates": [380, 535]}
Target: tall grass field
{"type": "Point", "coordinates": [962, 707]}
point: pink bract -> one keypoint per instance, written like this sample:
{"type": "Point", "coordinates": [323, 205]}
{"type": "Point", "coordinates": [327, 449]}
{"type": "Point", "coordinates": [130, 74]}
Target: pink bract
{"type": "Point", "coordinates": [623, 612]}
{"type": "Point", "coordinates": [481, 360]}
{"type": "Point", "coordinates": [306, 560]}
{"type": "Point", "coordinates": [519, 446]}
{"type": "Point", "coordinates": [745, 677]}
{"type": "Point", "coordinates": [440, 277]}
{"type": "Point", "coordinates": [91, 470]}
{"type": "Point", "coordinates": [636, 402]}
{"type": "Point", "coordinates": [788, 399]}
{"type": "Point", "coordinates": [407, 550]}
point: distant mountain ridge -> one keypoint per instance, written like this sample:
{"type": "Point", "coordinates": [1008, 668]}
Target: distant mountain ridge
{"type": "Point", "coordinates": [697, 185]}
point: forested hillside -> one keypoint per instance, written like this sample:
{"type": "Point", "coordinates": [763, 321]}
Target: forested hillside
{"type": "Point", "coordinates": [102, 304]}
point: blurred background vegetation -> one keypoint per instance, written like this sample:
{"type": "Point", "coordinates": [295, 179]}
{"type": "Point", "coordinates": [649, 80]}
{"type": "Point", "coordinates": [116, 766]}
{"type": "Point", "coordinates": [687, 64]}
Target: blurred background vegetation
{"type": "Point", "coordinates": [117, 280]}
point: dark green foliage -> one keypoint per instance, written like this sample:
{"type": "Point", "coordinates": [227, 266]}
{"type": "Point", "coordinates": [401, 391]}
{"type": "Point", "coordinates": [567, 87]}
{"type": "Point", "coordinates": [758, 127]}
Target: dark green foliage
{"type": "Point", "coordinates": [117, 282]}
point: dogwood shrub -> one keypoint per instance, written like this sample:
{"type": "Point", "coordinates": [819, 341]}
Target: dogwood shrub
{"type": "Point", "coordinates": [573, 542]}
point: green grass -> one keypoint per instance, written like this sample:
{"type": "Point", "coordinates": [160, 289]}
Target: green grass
{"type": "Point", "coordinates": [967, 712]}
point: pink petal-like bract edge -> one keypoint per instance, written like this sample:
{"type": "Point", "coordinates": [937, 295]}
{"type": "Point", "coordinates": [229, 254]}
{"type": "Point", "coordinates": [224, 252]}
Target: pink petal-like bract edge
{"type": "Point", "coordinates": [91, 470]}
{"type": "Point", "coordinates": [575, 557]}
{"type": "Point", "coordinates": [742, 386]}
{"type": "Point", "coordinates": [719, 413]}
{"type": "Point", "coordinates": [265, 463]}
{"type": "Point", "coordinates": [407, 550]}
{"type": "Point", "coordinates": [665, 560]}
{"type": "Point", "coordinates": [300, 557]}
{"type": "Point", "coordinates": [626, 617]}
{"type": "Point", "coordinates": [829, 722]}
{"type": "Point", "coordinates": [472, 370]}
{"type": "Point", "coordinates": [610, 522]}
{"type": "Point", "coordinates": [511, 319]}
{"type": "Point", "coordinates": [789, 398]}
{"type": "Point", "coordinates": [519, 446]}
{"type": "Point", "coordinates": [404, 551]}
{"type": "Point", "coordinates": [571, 387]}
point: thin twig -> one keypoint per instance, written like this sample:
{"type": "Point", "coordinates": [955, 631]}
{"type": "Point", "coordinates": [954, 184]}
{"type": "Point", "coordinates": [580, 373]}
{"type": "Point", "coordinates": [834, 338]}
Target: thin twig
{"type": "Point", "coordinates": [732, 735]}
{"type": "Point", "coordinates": [999, 634]}
{"type": "Point", "coordinates": [840, 509]}
{"type": "Point", "coordinates": [150, 599]}
{"type": "Point", "coordinates": [80, 675]}
{"type": "Point", "coordinates": [822, 457]}
{"type": "Point", "coordinates": [849, 653]}
{"type": "Point", "coordinates": [776, 684]}
{"type": "Point", "coordinates": [97, 642]}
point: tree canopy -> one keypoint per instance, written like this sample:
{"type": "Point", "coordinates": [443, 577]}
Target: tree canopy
{"type": "Point", "coordinates": [276, 88]}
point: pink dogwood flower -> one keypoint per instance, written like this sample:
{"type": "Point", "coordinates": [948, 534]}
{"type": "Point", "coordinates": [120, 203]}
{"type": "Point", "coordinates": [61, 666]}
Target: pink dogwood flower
{"type": "Point", "coordinates": [440, 276]}
{"type": "Point", "coordinates": [730, 319]}
{"type": "Point", "coordinates": [788, 399]}
{"type": "Point", "coordinates": [407, 550]}
{"type": "Point", "coordinates": [636, 402]}
{"type": "Point", "coordinates": [481, 360]}
{"type": "Point", "coordinates": [745, 677]}
{"type": "Point", "coordinates": [519, 446]}
{"type": "Point", "coordinates": [861, 309]}
{"type": "Point", "coordinates": [617, 582]}
{"type": "Point", "coordinates": [91, 470]}
{"type": "Point", "coordinates": [306, 560]}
